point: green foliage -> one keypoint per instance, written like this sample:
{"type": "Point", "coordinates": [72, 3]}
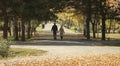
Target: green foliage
{"type": "Point", "coordinates": [4, 48]}
{"type": "Point", "coordinates": [74, 28]}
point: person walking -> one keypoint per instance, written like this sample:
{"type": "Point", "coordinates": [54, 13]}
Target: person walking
{"type": "Point", "coordinates": [61, 30]}
{"type": "Point", "coordinates": [54, 30]}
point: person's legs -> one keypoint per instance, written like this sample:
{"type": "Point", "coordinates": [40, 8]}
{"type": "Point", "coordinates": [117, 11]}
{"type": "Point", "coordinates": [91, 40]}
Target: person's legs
{"type": "Point", "coordinates": [54, 36]}
{"type": "Point", "coordinates": [61, 37]}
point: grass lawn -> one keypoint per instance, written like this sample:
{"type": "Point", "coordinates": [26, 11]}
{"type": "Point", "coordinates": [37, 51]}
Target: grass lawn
{"type": "Point", "coordinates": [108, 36]}
{"type": "Point", "coordinates": [18, 52]}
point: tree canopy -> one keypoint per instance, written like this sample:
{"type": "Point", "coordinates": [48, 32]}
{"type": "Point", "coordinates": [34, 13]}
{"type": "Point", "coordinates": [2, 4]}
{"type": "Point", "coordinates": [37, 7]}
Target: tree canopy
{"type": "Point", "coordinates": [42, 10]}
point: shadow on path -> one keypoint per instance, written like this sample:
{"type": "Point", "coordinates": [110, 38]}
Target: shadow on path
{"type": "Point", "coordinates": [68, 42]}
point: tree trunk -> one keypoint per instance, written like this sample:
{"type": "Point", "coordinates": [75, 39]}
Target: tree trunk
{"type": "Point", "coordinates": [19, 29]}
{"type": "Point", "coordinates": [15, 29]}
{"type": "Point", "coordinates": [23, 29]}
{"type": "Point", "coordinates": [88, 18]}
{"type": "Point", "coordinates": [85, 30]}
{"type": "Point", "coordinates": [96, 26]}
{"type": "Point", "coordinates": [109, 30]}
{"type": "Point", "coordinates": [114, 27]}
{"type": "Point", "coordinates": [29, 30]}
{"type": "Point", "coordinates": [9, 28]}
{"type": "Point", "coordinates": [93, 29]}
{"type": "Point", "coordinates": [103, 27]}
{"type": "Point", "coordinates": [5, 28]}
{"type": "Point", "coordinates": [88, 28]}
{"type": "Point", "coordinates": [103, 15]}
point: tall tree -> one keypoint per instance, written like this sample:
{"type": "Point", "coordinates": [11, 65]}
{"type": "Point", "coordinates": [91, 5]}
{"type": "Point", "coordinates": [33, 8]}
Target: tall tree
{"type": "Point", "coordinates": [5, 10]}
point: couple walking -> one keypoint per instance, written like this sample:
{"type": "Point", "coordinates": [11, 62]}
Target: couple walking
{"type": "Point", "coordinates": [55, 30]}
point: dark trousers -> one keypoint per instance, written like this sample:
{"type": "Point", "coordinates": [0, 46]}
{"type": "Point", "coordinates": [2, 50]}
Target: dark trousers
{"type": "Point", "coordinates": [61, 37]}
{"type": "Point", "coordinates": [54, 35]}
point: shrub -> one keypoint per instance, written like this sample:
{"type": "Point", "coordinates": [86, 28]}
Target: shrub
{"type": "Point", "coordinates": [4, 48]}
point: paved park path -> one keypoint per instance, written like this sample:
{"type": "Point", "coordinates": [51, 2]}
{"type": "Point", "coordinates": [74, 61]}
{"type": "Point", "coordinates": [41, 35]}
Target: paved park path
{"type": "Point", "coordinates": [67, 47]}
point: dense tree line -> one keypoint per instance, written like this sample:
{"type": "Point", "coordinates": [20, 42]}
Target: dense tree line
{"type": "Point", "coordinates": [96, 10]}
{"type": "Point", "coordinates": [22, 12]}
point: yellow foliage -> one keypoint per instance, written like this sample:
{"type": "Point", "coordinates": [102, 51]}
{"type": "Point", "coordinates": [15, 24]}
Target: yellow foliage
{"type": "Point", "coordinates": [71, 16]}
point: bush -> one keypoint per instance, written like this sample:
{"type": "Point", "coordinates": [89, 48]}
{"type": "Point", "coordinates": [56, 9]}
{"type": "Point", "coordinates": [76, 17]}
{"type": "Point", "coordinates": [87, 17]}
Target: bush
{"type": "Point", "coordinates": [4, 48]}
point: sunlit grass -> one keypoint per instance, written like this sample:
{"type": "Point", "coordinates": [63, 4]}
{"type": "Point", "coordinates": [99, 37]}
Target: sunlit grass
{"type": "Point", "coordinates": [113, 36]}
{"type": "Point", "coordinates": [26, 52]}
{"type": "Point", "coordinates": [108, 36]}
{"type": "Point", "coordinates": [23, 52]}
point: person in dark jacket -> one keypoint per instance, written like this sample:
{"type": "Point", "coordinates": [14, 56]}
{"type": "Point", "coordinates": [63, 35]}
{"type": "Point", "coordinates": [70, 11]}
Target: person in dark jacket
{"type": "Point", "coordinates": [54, 30]}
